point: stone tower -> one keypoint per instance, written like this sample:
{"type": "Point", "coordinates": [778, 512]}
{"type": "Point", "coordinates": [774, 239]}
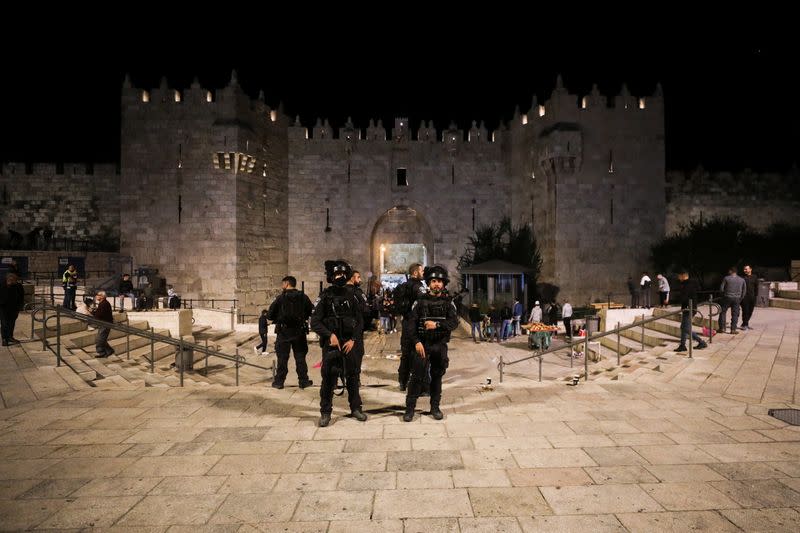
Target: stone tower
{"type": "Point", "coordinates": [203, 189]}
{"type": "Point", "coordinates": [591, 180]}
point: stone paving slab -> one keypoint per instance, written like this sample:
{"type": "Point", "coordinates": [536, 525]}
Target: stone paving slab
{"type": "Point", "coordinates": [602, 456]}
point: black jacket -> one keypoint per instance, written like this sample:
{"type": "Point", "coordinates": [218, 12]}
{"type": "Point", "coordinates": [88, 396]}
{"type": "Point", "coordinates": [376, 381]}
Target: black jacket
{"type": "Point", "coordinates": [688, 291]}
{"type": "Point", "coordinates": [12, 298]}
{"type": "Point", "coordinates": [349, 324]}
{"type": "Point", "coordinates": [444, 325]}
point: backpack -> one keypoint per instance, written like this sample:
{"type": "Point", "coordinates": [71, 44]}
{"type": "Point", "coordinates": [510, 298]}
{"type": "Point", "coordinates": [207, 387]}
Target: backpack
{"type": "Point", "coordinates": [403, 297]}
{"type": "Point", "coordinates": [292, 313]}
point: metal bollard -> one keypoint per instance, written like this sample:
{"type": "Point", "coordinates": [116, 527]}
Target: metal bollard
{"type": "Point", "coordinates": [44, 328]}
{"type": "Point", "coordinates": [500, 367]}
{"type": "Point", "coordinates": [691, 326]}
{"type": "Point", "coordinates": [58, 338]}
{"type": "Point", "coordinates": [586, 357]}
{"type": "Point", "coordinates": [618, 346]}
{"type": "Point", "coordinates": [180, 352]}
{"type": "Point", "coordinates": [237, 366]}
{"type": "Point", "coordinates": [152, 352]}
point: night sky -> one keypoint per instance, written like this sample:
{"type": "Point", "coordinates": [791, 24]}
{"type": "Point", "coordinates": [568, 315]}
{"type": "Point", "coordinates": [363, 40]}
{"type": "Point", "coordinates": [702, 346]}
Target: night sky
{"type": "Point", "coordinates": [730, 102]}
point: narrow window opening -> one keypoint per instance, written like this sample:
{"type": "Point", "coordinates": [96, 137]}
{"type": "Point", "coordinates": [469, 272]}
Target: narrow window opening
{"type": "Point", "coordinates": [473, 218]}
{"type": "Point", "coordinates": [327, 219]}
{"type": "Point", "coordinates": [180, 156]}
{"type": "Point", "coordinates": [453, 173]}
{"type": "Point", "coordinates": [611, 206]}
{"type": "Point", "coordinates": [348, 172]}
{"type": "Point", "coordinates": [402, 178]}
{"type": "Point", "coordinates": [611, 161]}
{"type": "Point", "coordinates": [180, 207]}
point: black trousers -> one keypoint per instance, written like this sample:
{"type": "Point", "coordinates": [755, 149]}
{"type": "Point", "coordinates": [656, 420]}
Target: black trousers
{"type": "Point", "coordinates": [407, 351]}
{"type": "Point", "coordinates": [334, 363]}
{"type": "Point", "coordinates": [748, 304]}
{"type": "Point", "coordinates": [428, 370]}
{"type": "Point", "coordinates": [296, 342]}
{"type": "Point", "coordinates": [263, 345]}
{"type": "Point", "coordinates": [8, 319]}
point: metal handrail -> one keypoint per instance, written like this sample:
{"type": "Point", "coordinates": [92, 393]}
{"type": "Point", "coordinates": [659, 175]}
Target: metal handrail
{"type": "Point", "coordinates": [586, 340]}
{"type": "Point", "coordinates": [181, 344]}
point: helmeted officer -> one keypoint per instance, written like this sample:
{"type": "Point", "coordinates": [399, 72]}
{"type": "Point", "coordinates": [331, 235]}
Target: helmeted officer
{"type": "Point", "coordinates": [435, 317]}
{"type": "Point", "coordinates": [405, 297]}
{"type": "Point", "coordinates": [338, 321]}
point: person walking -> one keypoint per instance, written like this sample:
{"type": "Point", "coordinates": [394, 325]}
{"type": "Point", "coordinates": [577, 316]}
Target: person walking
{"type": "Point", "coordinates": [102, 312]}
{"type": "Point", "coordinates": [749, 300]}
{"type": "Point", "coordinates": [688, 301]}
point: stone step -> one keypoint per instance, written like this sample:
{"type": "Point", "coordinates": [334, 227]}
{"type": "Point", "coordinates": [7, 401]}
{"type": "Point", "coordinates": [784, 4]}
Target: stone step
{"type": "Point", "coordinates": [790, 295]}
{"type": "Point", "coordinates": [161, 350]}
{"type": "Point", "coordinates": [212, 335]}
{"type": "Point", "coordinates": [87, 339]}
{"type": "Point", "coordinates": [103, 371]}
{"type": "Point", "coordinates": [79, 367]}
{"type": "Point", "coordinates": [635, 335]}
{"type": "Point", "coordinates": [68, 325]}
{"type": "Point", "coordinates": [199, 328]}
{"type": "Point", "coordinates": [72, 379]}
{"type": "Point", "coordinates": [785, 303]}
{"type": "Point", "coordinates": [671, 328]}
{"type": "Point", "coordinates": [625, 347]}
{"type": "Point", "coordinates": [697, 320]}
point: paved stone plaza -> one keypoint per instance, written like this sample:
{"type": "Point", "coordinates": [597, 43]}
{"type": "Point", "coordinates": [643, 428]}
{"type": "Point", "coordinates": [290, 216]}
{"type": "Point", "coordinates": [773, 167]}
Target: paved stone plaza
{"type": "Point", "coordinates": [689, 448]}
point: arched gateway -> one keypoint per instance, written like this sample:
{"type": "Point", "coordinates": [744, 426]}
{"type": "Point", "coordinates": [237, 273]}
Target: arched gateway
{"type": "Point", "coordinates": [401, 236]}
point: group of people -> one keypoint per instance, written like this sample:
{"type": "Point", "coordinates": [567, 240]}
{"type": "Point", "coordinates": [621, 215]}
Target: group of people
{"type": "Point", "coordinates": [429, 316]}
{"type": "Point", "coordinates": [738, 293]}
{"type": "Point", "coordinates": [641, 291]}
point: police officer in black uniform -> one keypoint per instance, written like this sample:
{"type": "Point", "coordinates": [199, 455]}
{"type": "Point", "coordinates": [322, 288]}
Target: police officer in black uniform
{"type": "Point", "coordinates": [435, 316]}
{"type": "Point", "coordinates": [291, 332]}
{"type": "Point", "coordinates": [338, 321]}
{"type": "Point", "coordinates": [415, 289]}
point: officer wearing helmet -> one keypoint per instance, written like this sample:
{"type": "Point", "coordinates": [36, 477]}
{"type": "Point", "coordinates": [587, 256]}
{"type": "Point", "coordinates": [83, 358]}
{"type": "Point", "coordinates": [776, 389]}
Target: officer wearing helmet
{"type": "Point", "coordinates": [435, 317]}
{"type": "Point", "coordinates": [338, 321]}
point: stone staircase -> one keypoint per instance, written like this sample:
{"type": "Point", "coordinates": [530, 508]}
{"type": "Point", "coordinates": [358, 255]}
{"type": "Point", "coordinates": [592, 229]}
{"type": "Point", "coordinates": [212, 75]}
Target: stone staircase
{"type": "Point", "coordinates": [657, 362]}
{"type": "Point", "coordinates": [786, 299]}
{"type": "Point", "coordinates": [130, 366]}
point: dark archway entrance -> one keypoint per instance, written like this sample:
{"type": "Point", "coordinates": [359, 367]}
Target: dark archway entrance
{"type": "Point", "coordinates": [401, 236]}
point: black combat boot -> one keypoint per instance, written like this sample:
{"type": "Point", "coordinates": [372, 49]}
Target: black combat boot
{"type": "Point", "coordinates": [436, 413]}
{"type": "Point", "coordinates": [409, 414]}
{"type": "Point", "coordinates": [681, 348]}
{"type": "Point", "coordinates": [359, 415]}
{"type": "Point", "coordinates": [324, 420]}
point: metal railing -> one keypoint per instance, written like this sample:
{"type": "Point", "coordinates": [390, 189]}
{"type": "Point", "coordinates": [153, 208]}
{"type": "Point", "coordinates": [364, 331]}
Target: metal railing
{"type": "Point", "coordinates": [189, 304]}
{"type": "Point", "coordinates": [616, 331]}
{"type": "Point", "coordinates": [50, 312]}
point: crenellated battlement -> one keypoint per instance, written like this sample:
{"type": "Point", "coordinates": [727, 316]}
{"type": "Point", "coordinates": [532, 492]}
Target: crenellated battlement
{"type": "Point", "coordinates": [403, 131]}
{"type": "Point", "coordinates": [198, 101]}
{"type": "Point", "coordinates": [58, 169]}
{"type": "Point", "coordinates": [563, 105]}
